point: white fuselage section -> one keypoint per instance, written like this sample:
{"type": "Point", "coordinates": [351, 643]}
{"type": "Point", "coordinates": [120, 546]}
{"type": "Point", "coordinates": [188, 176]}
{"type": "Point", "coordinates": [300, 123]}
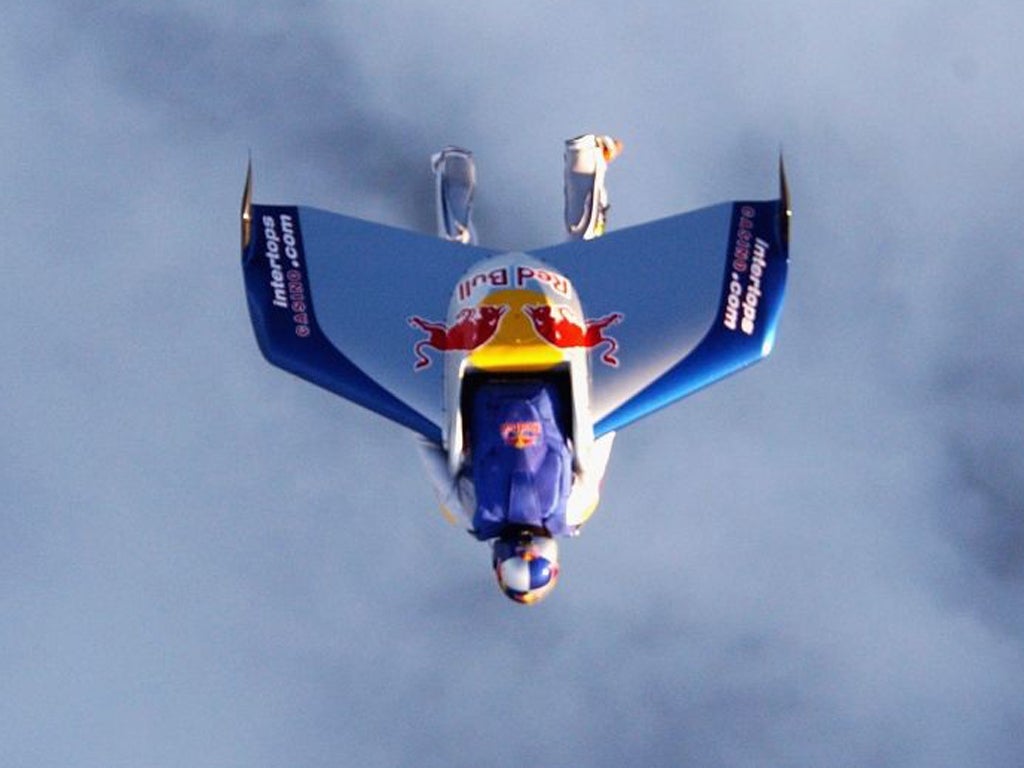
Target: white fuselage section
{"type": "Point", "coordinates": [509, 316]}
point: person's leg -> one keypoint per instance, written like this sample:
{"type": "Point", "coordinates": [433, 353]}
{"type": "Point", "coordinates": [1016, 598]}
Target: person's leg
{"type": "Point", "coordinates": [456, 182]}
{"type": "Point", "coordinates": [586, 198]}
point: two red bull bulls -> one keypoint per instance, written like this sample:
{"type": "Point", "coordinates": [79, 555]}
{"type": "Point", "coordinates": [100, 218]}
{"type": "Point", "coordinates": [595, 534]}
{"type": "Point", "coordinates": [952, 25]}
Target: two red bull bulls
{"type": "Point", "coordinates": [557, 325]}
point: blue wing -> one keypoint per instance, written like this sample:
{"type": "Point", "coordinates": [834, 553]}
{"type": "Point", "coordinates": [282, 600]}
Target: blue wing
{"type": "Point", "coordinates": [319, 283]}
{"type": "Point", "coordinates": [700, 296]}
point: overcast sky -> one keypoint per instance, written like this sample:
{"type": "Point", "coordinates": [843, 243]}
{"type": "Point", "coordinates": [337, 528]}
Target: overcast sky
{"type": "Point", "coordinates": [207, 562]}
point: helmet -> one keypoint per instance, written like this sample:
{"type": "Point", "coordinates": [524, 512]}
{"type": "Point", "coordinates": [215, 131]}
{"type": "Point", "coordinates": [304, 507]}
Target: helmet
{"type": "Point", "coordinates": [526, 564]}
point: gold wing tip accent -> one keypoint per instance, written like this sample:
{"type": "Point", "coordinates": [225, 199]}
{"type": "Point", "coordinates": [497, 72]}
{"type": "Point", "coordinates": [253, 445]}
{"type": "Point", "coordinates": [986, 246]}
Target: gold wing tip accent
{"type": "Point", "coordinates": [246, 214]}
{"type": "Point", "coordinates": [786, 212]}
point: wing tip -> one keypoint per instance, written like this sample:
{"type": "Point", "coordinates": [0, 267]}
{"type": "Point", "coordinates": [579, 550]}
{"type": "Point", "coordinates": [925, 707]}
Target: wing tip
{"type": "Point", "coordinates": [785, 212]}
{"type": "Point", "coordinates": [246, 213]}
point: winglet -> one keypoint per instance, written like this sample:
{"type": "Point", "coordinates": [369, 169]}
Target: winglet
{"type": "Point", "coordinates": [247, 207]}
{"type": "Point", "coordinates": [786, 212]}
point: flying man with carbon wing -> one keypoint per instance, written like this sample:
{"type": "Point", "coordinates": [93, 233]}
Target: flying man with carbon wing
{"type": "Point", "coordinates": [517, 391]}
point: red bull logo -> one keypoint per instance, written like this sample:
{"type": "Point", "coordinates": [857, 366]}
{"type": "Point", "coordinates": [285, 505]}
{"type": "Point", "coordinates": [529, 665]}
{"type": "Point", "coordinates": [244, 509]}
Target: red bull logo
{"type": "Point", "coordinates": [473, 327]}
{"type": "Point", "coordinates": [561, 327]}
{"type": "Point", "coordinates": [520, 317]}
{"type": "Point", "coordinates": [520, 434]}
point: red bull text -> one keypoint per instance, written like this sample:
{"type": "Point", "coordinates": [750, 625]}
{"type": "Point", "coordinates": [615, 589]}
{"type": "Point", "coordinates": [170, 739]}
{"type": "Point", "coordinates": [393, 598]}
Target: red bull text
{"type": "Point", "coordinates": [512, 277]}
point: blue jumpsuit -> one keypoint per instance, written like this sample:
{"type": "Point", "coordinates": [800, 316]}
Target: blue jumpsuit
{"type": "Point", "coordinates": [520, 463]}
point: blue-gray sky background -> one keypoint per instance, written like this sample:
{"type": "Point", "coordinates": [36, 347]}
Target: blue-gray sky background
{"type": "Point", "coordinates": [206, 562]}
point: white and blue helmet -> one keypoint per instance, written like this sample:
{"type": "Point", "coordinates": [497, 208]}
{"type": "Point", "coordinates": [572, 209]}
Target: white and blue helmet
{"type": "Point", "coordinates": [526, 564]}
